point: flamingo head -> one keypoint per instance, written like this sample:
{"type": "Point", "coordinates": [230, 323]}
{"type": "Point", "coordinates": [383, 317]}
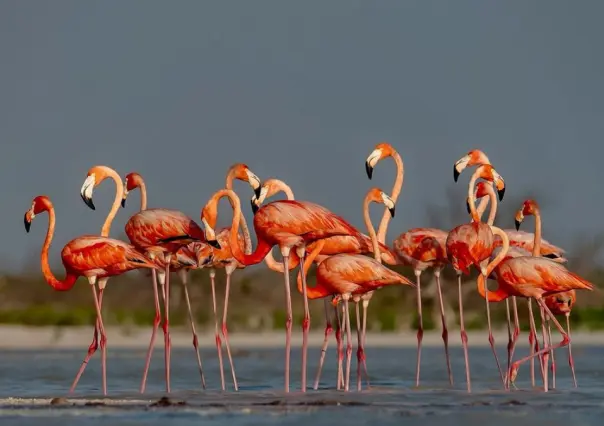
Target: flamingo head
{"type": "Point", "coordinates": [209, 231]}
{"type": "Point", "coordinates": [95, 176]}
{"type": "Point", "coordinates": [561, 303]}
{"type": "Point", "coordinates": [488, 172]}
{"type": "Point", "coordinates": [472, 158]}
{"type": "Point", "coordinates": [482, 190]}
{"type": "Point", "coordinates": [132, 181]}
{"type": "Point", "coordinates": [381, 151]}
{"type": "Point", "coordinates": [40, 204]}
{"type": "Point", "coordinates": [242, 172]}
{"type": "Point", "coordinates": [376, 195]}
{"type": "Point", "coordinates": [529, 208]}
{"type": "Point", "coordinates": [257, 200]}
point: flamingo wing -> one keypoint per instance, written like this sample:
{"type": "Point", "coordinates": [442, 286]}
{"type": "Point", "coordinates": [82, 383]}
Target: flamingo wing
{"type": "Point", "coordinates": [154, 227]}
{"type": "Point", "coordinates": [525, 240]}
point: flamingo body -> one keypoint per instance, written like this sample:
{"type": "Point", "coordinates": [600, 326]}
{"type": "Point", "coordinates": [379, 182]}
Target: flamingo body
{"type": "Point", "coordinates": [359, 244]}
{"type": "Point", "coordinates": [422, 248]}
{"type": "Point", "coordinates": [469, 244]}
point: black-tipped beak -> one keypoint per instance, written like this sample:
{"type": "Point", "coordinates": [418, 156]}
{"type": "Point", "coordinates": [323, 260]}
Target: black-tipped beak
{"type": "Point", "coordinates": [123, 202]}
{"type": "Point", "coordinates": [254, 206]}
{"type": "Point", "coordinates": [369, 170]}
{"type": "Point", "coordinates": [392, 210]}
{"type": "Point", "coordinates": [455, 173]}
{"type": "Point", "coordinates": [88, 201]}
{"type": "Point", "coordinates": [214, 243]}
{"type": "Point", "coordinates": [27, 223]}
{"type": "Point", "coordinates": [517, 223]}
{"type": "Point", "coordinates": [501, 193]}
{"type": "Point", "coordinates": [468, 206]}
{"type": "Point", "coordinates": [257, 191]}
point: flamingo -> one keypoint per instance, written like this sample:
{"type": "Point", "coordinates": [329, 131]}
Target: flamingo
{"type": "Point", "coordinates": [562, 304]}
{"type": "Point", "coordinates": [518, 239]}
{"type": "Point", "coordinates": [531, 208]}
{"type": "Point", "coordinates": [535, 277]}
{"type": "Point", "coordinates": [241, 172]}
{"type": "Point", "coordinates": [359, 244]}
{"type": "Point", "coordinates": [350, 275]}
{"type": "Point", "coordinates": [159, 234]}
{"type": "Point", "coordinates": [95, 257]}
{"type": "Point", "coordinates": [470, 244]}
{"type": "Point", "coordinates": [288, 224]}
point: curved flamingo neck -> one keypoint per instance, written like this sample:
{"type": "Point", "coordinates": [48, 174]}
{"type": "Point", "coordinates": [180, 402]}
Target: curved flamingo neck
{"type": "Point", "coordinates": [262, 248]}
{"type": "Point", "coordinates": [317, 291]}
{"type": "Point", "coordinates": [50, 278]}
{"type": "Point", "coordinates": [119, 194]}
{"type": "Point", "coordinates": [371, 229]}
{"type": "Point", "coordinates": [537, 238]}
{"type": "Point", "coordinates": [396, 191]}
{"type": "Point", "coordinates": [143, 189]}
{"type": "Point", "coordinates": [499, 294]}
{"type": "Point", "coordinates": [276, 186]}
{"type": "Point", "coordinates": [471, 197]}
{"type": "Point", "coordinates": [247, 239]}
{"type": "Point", "coordinates": [492, 199]}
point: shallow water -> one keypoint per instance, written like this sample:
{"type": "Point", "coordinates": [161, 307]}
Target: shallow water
{"type": "Point", "coordinates": [29, 379]}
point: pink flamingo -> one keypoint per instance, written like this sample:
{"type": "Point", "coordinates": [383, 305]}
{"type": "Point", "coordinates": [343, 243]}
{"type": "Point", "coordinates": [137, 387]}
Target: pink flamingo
{"type": "Point", "coordinates": [288, 224]}
{"type": "Point", "coordinates": [95, 257]}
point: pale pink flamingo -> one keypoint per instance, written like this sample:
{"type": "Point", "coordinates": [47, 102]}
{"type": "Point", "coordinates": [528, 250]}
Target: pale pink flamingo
{"type": "Point", "coordinates": [288, 224]}
{"type": "Point", "coordinates": [470, 244]}
{"type": "Point", "coordinates": [95, 257]}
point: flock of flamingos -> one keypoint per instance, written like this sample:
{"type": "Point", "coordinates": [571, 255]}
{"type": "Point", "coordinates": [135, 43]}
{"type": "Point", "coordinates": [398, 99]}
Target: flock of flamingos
{"type": "Point", "coordinates": [350, 264]}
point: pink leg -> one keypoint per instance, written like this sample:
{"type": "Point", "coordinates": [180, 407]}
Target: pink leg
{"type": "Point", "coordinates": [565, 341]}
{"type": "Point", "coordinates": [348, 344]}
{"type": "Point", "coordinates": [328, 330]}
{"type": "Point", "coordinates": [445, 333]}
{"type": "Point", "coordinates": [510, 337]}
{"type": "Point", "coordinates": [340, 327]}
{"type": "Point", "coordinates": [515, 335]}
{"type": "Point", "coordinates": [166, 325]}
{"type": "Point", "coordinates": [103, 342]}
{"type": "Point", "coordinates": [288, 320]}
{"type": "Point", "coordinates": [491, 338]}
{"type": "Point", "coordinates": [464, 336]}
{"type": "Point", "coordinates": [156, 322]}
{"type": "Point", "coordinates": [192, 322]}
{"type": "Point", "coordinates": [571, 363]}
{"type": "Point", "coordinates": [533, 342]}
{"type": "Point", "coordinates": [91, 350]}
{"type": "Point", "coordinates": [549, 342]}
{"type": "Point", "coordinates": [225, 332]}
{"type": "Point", "coordinates": [362, 347]}
{"type": "Point", "coordinates": [420, 326]}
{"type": "Point", "coordinates": [305, 323]}
{"type": "Point", "coordinates": [217, 333]}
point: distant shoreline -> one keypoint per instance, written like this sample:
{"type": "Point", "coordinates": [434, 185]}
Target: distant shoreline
{"type": "Point", "coordinates": [22, 337]}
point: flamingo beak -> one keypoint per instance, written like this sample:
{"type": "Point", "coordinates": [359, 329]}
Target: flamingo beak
{"type": "Point", "coordinates": [392, 210]}
{"type": "Point", "coordinates": [517, 223]}
{"type": "Point", "coordinates": [254, 206]}
{"type": "Point", "coordinates": [369, 170]}
{"type": "Point", "coordinates": [123, 202]}
{"type": "Point", "coordinates": [257, 191]}
{"type": "Point", "coordinates": [501, 193]}
{"type": "Point", "coordinates": [86, 191]}
{"type": "Point", "coordinates": [468, 206]}
{"type": "Point", "coordinates": [214, 243]}
{"type": "Point", "coordinates": [27, 223]}
{"type": "Point", "coordinates": [455, 173]}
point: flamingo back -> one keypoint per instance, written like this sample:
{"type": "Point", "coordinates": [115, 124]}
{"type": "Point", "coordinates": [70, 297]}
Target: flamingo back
{"type": "Point", "coordinates": [285, 219]}
{"type": "Point", "coordinates": [531, 276]}
{"type": "Point", "coordinates": [525, 240]}
{"type": "Point", "coordinates": [469, 244]}
{"type": "Point", "coordinates": [422, 248]}
{"type": "Point", "coordinates": [92, 255]}
{"type": "Point", "coordinates": [224, 255]}
{"type": "Point", "coordinates": [167, 229]}
{"type": "Point", "coordinates": [561, 303]}
{"type": "Point", "coordinates": [354, 245]}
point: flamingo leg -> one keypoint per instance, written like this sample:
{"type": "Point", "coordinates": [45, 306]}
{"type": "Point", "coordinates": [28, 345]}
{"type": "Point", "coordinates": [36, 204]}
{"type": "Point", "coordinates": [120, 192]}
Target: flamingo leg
{"type": "Point", "coordinates": [445, 333]}
{"type": "Point", "coordinates": [570, 355]}
{"type": "Point", "coordinates": [420, 326]}
{"type": "Point", "coordinates": [491, 338]}
{"type": "Point", "coordinates": [328, 330]}
{"type": "Point", "coordinates": [533, 342]}
{"type": "Point", "coordinates": [510, 338]}
{"type": "Point", "coordinates": [515, 335]}
{"type": "Point", "coordinates": [340, 328]}
{"type": "Point", "coordinates": [565, 341]}
{"type": "Point", "coordinates": [348, 344]}
{"type": "Point", "coordinates": [156, 322]}
{"type": "Point", "coordinates": [225, 332]}
{"type": "Point", "coordinates": [288, 320]}
{"type": "Point", "coordinates": [545, 355]}
{"type": "Point", "coordinates": [216, 332]}
{"type": "Point", "coordinates": [103, 342]}
{"type": "Point", "coordinates": [91, 350]}
{"type": "Point", "coordinates": [359, 343]}
{"type": "Point", "coordinates": [549, 340]}
{"type": "Point", "coordinates": [183, 277]}
{"type": "Point", "coordinates": [464, 335]}
{"type": "Point", "coordinates": [363, 334]}
{"type": "Point", "coordinates": [166, 324]}
{"type": "Point", "coordinates": [305, 321]}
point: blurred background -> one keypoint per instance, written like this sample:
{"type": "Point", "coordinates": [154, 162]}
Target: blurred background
{"type": "Point", "coordinates": [301, 91]}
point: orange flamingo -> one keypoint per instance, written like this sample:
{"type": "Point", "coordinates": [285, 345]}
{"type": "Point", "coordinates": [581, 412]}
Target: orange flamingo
{"type": "Point", "coordinates": [288, 224]}
{"type": "Point", "coordinates": [350, 275]}
{"type": "Point", "coordinates": [221, 259]}
{"type": "Point", "coordinates": [95, 257]}
{"type": "Point", "coordinates": [473, 158]}
{"type": "Point", "coordinates": [359, 244]}
{"type": "Point", "coordinates": [159, 234]}
{"type": "Point", "coordinates": [470, 244]}
{"type": "Point", "coordinates": [531, 277]}
{"type": "Point", "coordinates": [561, 304]}
{"type": "Point", "coordinates": [531, 208]}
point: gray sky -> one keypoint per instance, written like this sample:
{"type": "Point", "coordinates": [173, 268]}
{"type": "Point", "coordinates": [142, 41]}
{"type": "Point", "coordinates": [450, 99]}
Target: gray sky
{"type": "Point", "coordinates": [179, 91]}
